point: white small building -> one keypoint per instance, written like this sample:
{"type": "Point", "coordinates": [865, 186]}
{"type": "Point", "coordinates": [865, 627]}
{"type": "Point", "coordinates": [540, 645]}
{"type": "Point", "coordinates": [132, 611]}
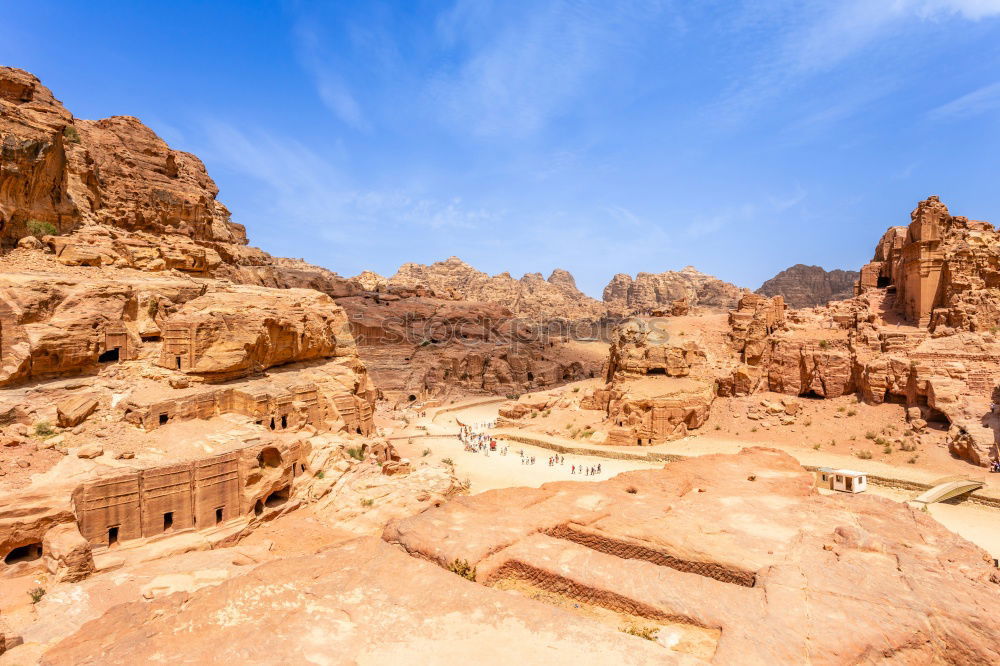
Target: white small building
{"type": "Point", "coordinates": [844, 480]}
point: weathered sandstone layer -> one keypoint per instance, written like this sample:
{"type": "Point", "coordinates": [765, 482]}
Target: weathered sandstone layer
{"type": "Point", "coordinates": [807, 286]}
{"type": "Point", "coordinates": [647, 292]}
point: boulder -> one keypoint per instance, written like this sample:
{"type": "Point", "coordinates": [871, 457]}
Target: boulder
{"type": "Point", "coordinates": [67, 554]}
{"type": "Point", "coordinates": [73, 411]}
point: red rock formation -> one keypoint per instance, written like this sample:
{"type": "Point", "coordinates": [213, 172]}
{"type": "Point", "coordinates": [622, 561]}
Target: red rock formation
{"type": "Point", "coordinates": [531, 296]}
{"type": "Point", "coordinates": [807, 286]}
{"type": "Point", "coordinates": [657, 291]}
{"type": "Point", "coordinates": [420, 347]}
{"type": "Point", "coordinates": [943, 270]}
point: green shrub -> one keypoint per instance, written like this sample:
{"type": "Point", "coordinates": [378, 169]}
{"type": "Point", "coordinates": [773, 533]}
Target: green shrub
{"type": "Point", "coordinates": [36, 594]}
{"type": "Point", "coordinates": [649, 633]}
{"type": "Point", "coordinates": [864, 454]}
{"type": "Point", "coordinates": [823, 344]}
{"type": "Point", "coordinates": [448, 461]}
{"type": "Point", "coordinates": [426, 453]}
{"type": "Point", "coordinates": [367, 501]}
{"type": "Point", "coordinates": [44, 429]}
{"type": "Point", "coordinates": [870, 435]}
{"type": "Point", "coordinates": [39, 228]}
{"type": "Point", "coordinates": [356, 452]}
{"type": "Point", "coordinates": [816, 447]}
{"type": "Point", "coordinates": [576, 389]}
{"type": "Point", "coordinates": [320, 474]}
{"type": "Point", "coordinates": [912, 460]}
{"type": "Point", "coordinates": [887, 450]}
{"type": "Point", "coordinates": [851, 412]}
{"type": "Point", "coordinates": [463, 569]}
{"type": "Point", "coordinates": [71, 134]}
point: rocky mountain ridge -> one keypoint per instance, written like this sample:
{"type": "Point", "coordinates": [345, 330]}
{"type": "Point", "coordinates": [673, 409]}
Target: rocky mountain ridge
{"type": "Point", "coordinates": [807, 286]}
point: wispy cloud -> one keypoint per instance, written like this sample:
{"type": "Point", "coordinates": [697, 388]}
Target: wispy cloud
{"type": "Point", "coordinates": [330, 87]}
{"type": "Point", "coordinates": [819, 38]}
{"type": "Point", "coordinates": [309, 190]}
{"type": "Point", "coordinates": [521, 67]}
{"type": "Point", "coordinates": [974, 103]}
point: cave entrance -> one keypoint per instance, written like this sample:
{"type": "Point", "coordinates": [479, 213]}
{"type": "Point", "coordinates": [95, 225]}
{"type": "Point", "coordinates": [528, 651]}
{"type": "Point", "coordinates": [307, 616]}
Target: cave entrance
{"type": "Point", "coordinates": [164, 418]}
{"type": "Point", "coordinates": [277, 498]}
{"type": "Point", "coordinates": [284, 421]}
{"type": "Point", "coordinates": [258, 508]}
{"type": "Point", "coordinates": [656, 371]}
{"type": "Point", "coordinates": [112, 536]}
{"type": "Point", "coordinates": [882, 282]}
{"type": "Point", "coordinates": [27, 553]}
{"type": "Point", "coordinates": [110, 356]}
{"type": "Point", "coordinates": [218, 515]}
{"type": "Point", "coordinates": [269, 457]}
{"type": "Point", "coordinates": [412, 398]}
{"type": "Point", "coordinates": [168, 521]}
{"type": "Point", "coordinates": [811, 395]}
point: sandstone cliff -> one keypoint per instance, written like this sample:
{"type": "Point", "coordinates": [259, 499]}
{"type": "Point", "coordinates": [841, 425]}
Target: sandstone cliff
{"type": "Point", "coordinates": [807, 286]}
{"type": "Point", "coordinates": [532, 296]}
{"type": "Point", "coordinates": [942, 271]}
{"type": "Point", "coordinates": [657, 291]}
{"type": "Point", "coordinates": [112, 193]}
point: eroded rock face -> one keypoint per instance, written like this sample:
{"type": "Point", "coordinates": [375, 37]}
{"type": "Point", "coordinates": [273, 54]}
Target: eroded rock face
{"type": "Point", "coordinates": [804, 286]}
{"type": "Point", "coordinates": [943, 270]}
{"type": "Point", "coordinates": [659, 386]}
{"type": "Point", "coordinates": [421, 347]}
{"type": "Point", "coordinates": [115, 171]}
{"type": "Point", "coordinates": [532, 296]}
{"type": "Point", "coordinates": [657, 291]}
{"type": "Point", "coordinates": [233, 332]}
{"type": "Point", "coordinates": [770, 579]}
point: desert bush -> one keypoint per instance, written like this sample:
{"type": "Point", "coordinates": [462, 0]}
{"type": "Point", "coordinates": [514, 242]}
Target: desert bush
{"type": "Point", "coordinates": [44, 429]}
{"type": "Point", "coordinates": [864, 454]}
{"type": "Point", "coordinates": [356, 452]}
{"type": "Point", "coordinates": [448, 461]}
{"type": "Point", "coordinates": [39, 228]}
{"type": "Point", "coordinates": [823, 344]}
{"type": "Point", "coordinates": [852, 412]}
{"type": "Point", "coordinates": [631, 490]}
{"type": "Point", "coordinates": [870, 435]}
{"type": "Point", "coordinates": [368, 501]}
{"type": "Point", "coordinates": [649, 633]}
{"type": "Point", "coordinates": [71, 134]}
{"type": "Point", "coordinates": [463, 569]}
{"type": "Point", "coordinates": [426, 452]}
{"type": "Point", "coordinates": [36, 594]}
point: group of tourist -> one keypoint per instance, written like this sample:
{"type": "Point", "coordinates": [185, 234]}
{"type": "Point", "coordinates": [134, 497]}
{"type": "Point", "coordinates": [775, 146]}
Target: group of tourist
{"type": "Point", "coordinates": [476, 440]}
{"type": "Point", "coordinates": [995, 466]}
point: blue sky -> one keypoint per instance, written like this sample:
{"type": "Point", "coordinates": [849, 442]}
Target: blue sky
{"type": "Point", "coordinates": [599, 137]}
